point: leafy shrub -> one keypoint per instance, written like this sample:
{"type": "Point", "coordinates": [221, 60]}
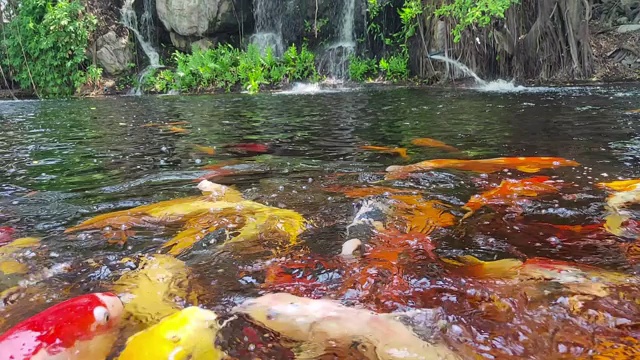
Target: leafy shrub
{"type": "Point", "coordinates": [46, 44]}
{"type": "Point", "coordinates": [396, 67]}
{"type": "Point", "coordinates": [94, 75]}
{"type": "Point", "coordinates": [224, 67]}
{"type": "Point", "coordinates": [360, 69]}
{"type": "Point", "coordinates": [479, 12]}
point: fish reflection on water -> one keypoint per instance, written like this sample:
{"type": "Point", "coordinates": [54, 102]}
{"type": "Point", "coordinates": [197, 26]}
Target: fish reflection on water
{"type": "Point", "coordinates": [470, 237]}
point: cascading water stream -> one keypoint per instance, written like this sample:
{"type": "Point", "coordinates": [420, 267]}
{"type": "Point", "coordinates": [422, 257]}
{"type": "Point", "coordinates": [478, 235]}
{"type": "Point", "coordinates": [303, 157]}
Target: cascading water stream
{"type": "Point", "coordinates": [144, 35]}
{"type": "Point", "coordinates": [268, 15]}
{"type": "Point", "coordinates": [461, 67]}
{"type": "Point", "coordinates": [337, 55]}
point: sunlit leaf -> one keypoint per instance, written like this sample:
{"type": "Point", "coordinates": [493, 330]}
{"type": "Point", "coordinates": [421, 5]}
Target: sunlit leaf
{"type": "Point", "coordinates": [524, 164]}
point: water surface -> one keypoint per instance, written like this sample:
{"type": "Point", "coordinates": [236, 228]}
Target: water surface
{"type": "Point", "coordinates": [62, 162]}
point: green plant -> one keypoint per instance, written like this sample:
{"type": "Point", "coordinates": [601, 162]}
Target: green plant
{"type": "Point", "coordinates": [94, 75]}
{"type": "Point", "coordinates": [476, 12]}
{"type": "Point", "coordinates": [46, 43]}
{"type": "Point", "coordinates": [300, 65]}
{"type": "Point", "coordinates": [360, 69]}
{"type": "Point", "coordinates": [409, 15]}
{"type": "Point", "coordinates": [395, 68]}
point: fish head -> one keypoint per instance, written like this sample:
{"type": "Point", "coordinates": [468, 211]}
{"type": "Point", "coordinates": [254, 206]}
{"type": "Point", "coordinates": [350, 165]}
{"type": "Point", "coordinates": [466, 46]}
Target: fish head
{"type": "Point", "coordinates": [287, 314]}
{"type": "Point", "coordinates": [187, 334]}
{"type": "Point", "coordinates": [90, 315]}
{"type": "Point", "coordinates": [85, 326]}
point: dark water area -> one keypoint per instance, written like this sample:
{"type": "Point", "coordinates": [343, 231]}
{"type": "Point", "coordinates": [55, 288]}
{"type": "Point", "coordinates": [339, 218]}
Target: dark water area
{"type": "Point", "coordinates": [62, 162]}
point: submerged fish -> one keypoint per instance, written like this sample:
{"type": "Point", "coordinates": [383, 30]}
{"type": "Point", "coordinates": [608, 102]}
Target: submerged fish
{"type": "Point", "coordinates": [402, 152]}
{"type": "Point", "coordinates": [509, 191]}
{"type": "Point", "coordinates": [153, 290]}
{"type": "Point", "coordinates": [81, 328]}
{"type": "Point", "coordinates": [627, 192]}
{"type": "Point", "coordinates": [186, 335]}
{"type": "Point", "coordinates": [427, 142]}
{"type": "Point", "coordinates": [322, 324]}
{"type": "Point", "coordinates": [524, 164]}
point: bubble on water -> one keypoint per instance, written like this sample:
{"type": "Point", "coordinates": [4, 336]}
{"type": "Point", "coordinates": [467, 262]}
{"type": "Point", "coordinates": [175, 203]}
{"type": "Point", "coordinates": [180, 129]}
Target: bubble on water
{"type": "Point", "coordinates": [198, 161]}
{"type": "Point", "coordinates": [281, 188]}
{"type": "Point", "coordinates": [251, 347]}
{"type": "Point", "coordinates": [310, 180]}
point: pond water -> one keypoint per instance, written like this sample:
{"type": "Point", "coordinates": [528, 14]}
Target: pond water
{"type": "Point", "coordinates": [63, 162]}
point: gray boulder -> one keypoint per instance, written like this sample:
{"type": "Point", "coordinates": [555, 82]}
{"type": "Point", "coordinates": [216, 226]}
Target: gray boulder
{"type": "Point", "coordinates": [114, 53]}
{"type": "Point", "coordinates": [628, 28]}
{"type": "Point", "coordinates": [201, 17]}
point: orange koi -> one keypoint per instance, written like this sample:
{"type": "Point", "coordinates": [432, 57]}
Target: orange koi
{"type": "Point", "coordinates": [402, 152]}
{"type": "Point", "coordinates": [524, 164]}
{"type": "Point", "coordinates": [205, 149]}
{"type": "Point", "coordinates": [508, 192]}
{"type": "Point", "coordinates": [177, 130]}
{"type": "Point", "coordinates": [427, 142]}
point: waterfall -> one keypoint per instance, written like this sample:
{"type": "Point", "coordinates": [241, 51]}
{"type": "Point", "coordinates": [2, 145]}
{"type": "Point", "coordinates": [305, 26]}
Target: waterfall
{"type": "Point", "coordinates": [461, 67]}
{"type": "Point", "coordinates": [268, 15]}
{"type": "Point", "coordinates": [336, 57]}
{"type": "Point", "coordinates": [144, 35]}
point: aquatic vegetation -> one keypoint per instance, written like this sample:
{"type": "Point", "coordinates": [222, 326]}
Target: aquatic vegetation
{"type": "Point", "coordinates": [402, 152]}
{"type": "Point", "coordinates": [219, 207]}
{"type": "Point", "coordinates": [187, 334]}
{"type": "Point", "coordinates": [427, 142]}
{"type": "Point", "coordinates": [510, 191]}
{"type": "Point", "coordinates": [83, 327]}
{"type": "Point", "coordinates": [524, 164]}
{"type": "Point", "coordinates": [306, 320]}
{"type": "Point", "coordinates": [157, 288]}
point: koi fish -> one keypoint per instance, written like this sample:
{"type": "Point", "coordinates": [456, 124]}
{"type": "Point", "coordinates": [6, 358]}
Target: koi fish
{"type": "Point", "coordinates": [84, 327]}
{"type": "Point", "coordinates": [524, 164]}
{"type": "Point", "coordinates": [508, 192]}
{"type": "Point", "coordinates": [627, 192]}
{"type": "Point", "coordinates": [205, 149]}
{"type": "Point", "coordinates": [177, 130]}
{"type": "Point", "coordinates": [188, 334]}
{"type": "Point", "coordinates": [581, 278]}
{"type": "Point", "coordinates": [321, 324]}
{"type": "Point", "coordinates": [245, 148]}
{"type": "Point", "coordinates": [427, 142]}
{"type": "Point", "coordinates": [402, 152]}
{"type": "Point", "coordinates": [5, 234]}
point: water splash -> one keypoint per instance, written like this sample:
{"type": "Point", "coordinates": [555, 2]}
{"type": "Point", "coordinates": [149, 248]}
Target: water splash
{"type": "Point", "coordinates": [314, 88]}
{"type": "Point", "coordinates": [268, 15]}
{"type": "Point", "coordinates": [461, 67]}
{"type": "Point", "coordinates": [336, 56]}
{"type": "Point", "coordinates": [144, 36]}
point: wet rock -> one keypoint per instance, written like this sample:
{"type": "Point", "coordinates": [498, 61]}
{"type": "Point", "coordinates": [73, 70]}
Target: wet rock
{"type": "Point", "coordinates": [628, 28]}
{"type": "Point", "coordinates": [113, 53]}
{"type": "Point", "coordinates": [200, 17]}
{"type": "Point", "coordinates": [186, 43]}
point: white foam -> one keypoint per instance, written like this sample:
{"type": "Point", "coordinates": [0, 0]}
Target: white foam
{"type": "Point", "coordinates": [310, 89]}
{"type": "Point", "coordinates": [504, 86]}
